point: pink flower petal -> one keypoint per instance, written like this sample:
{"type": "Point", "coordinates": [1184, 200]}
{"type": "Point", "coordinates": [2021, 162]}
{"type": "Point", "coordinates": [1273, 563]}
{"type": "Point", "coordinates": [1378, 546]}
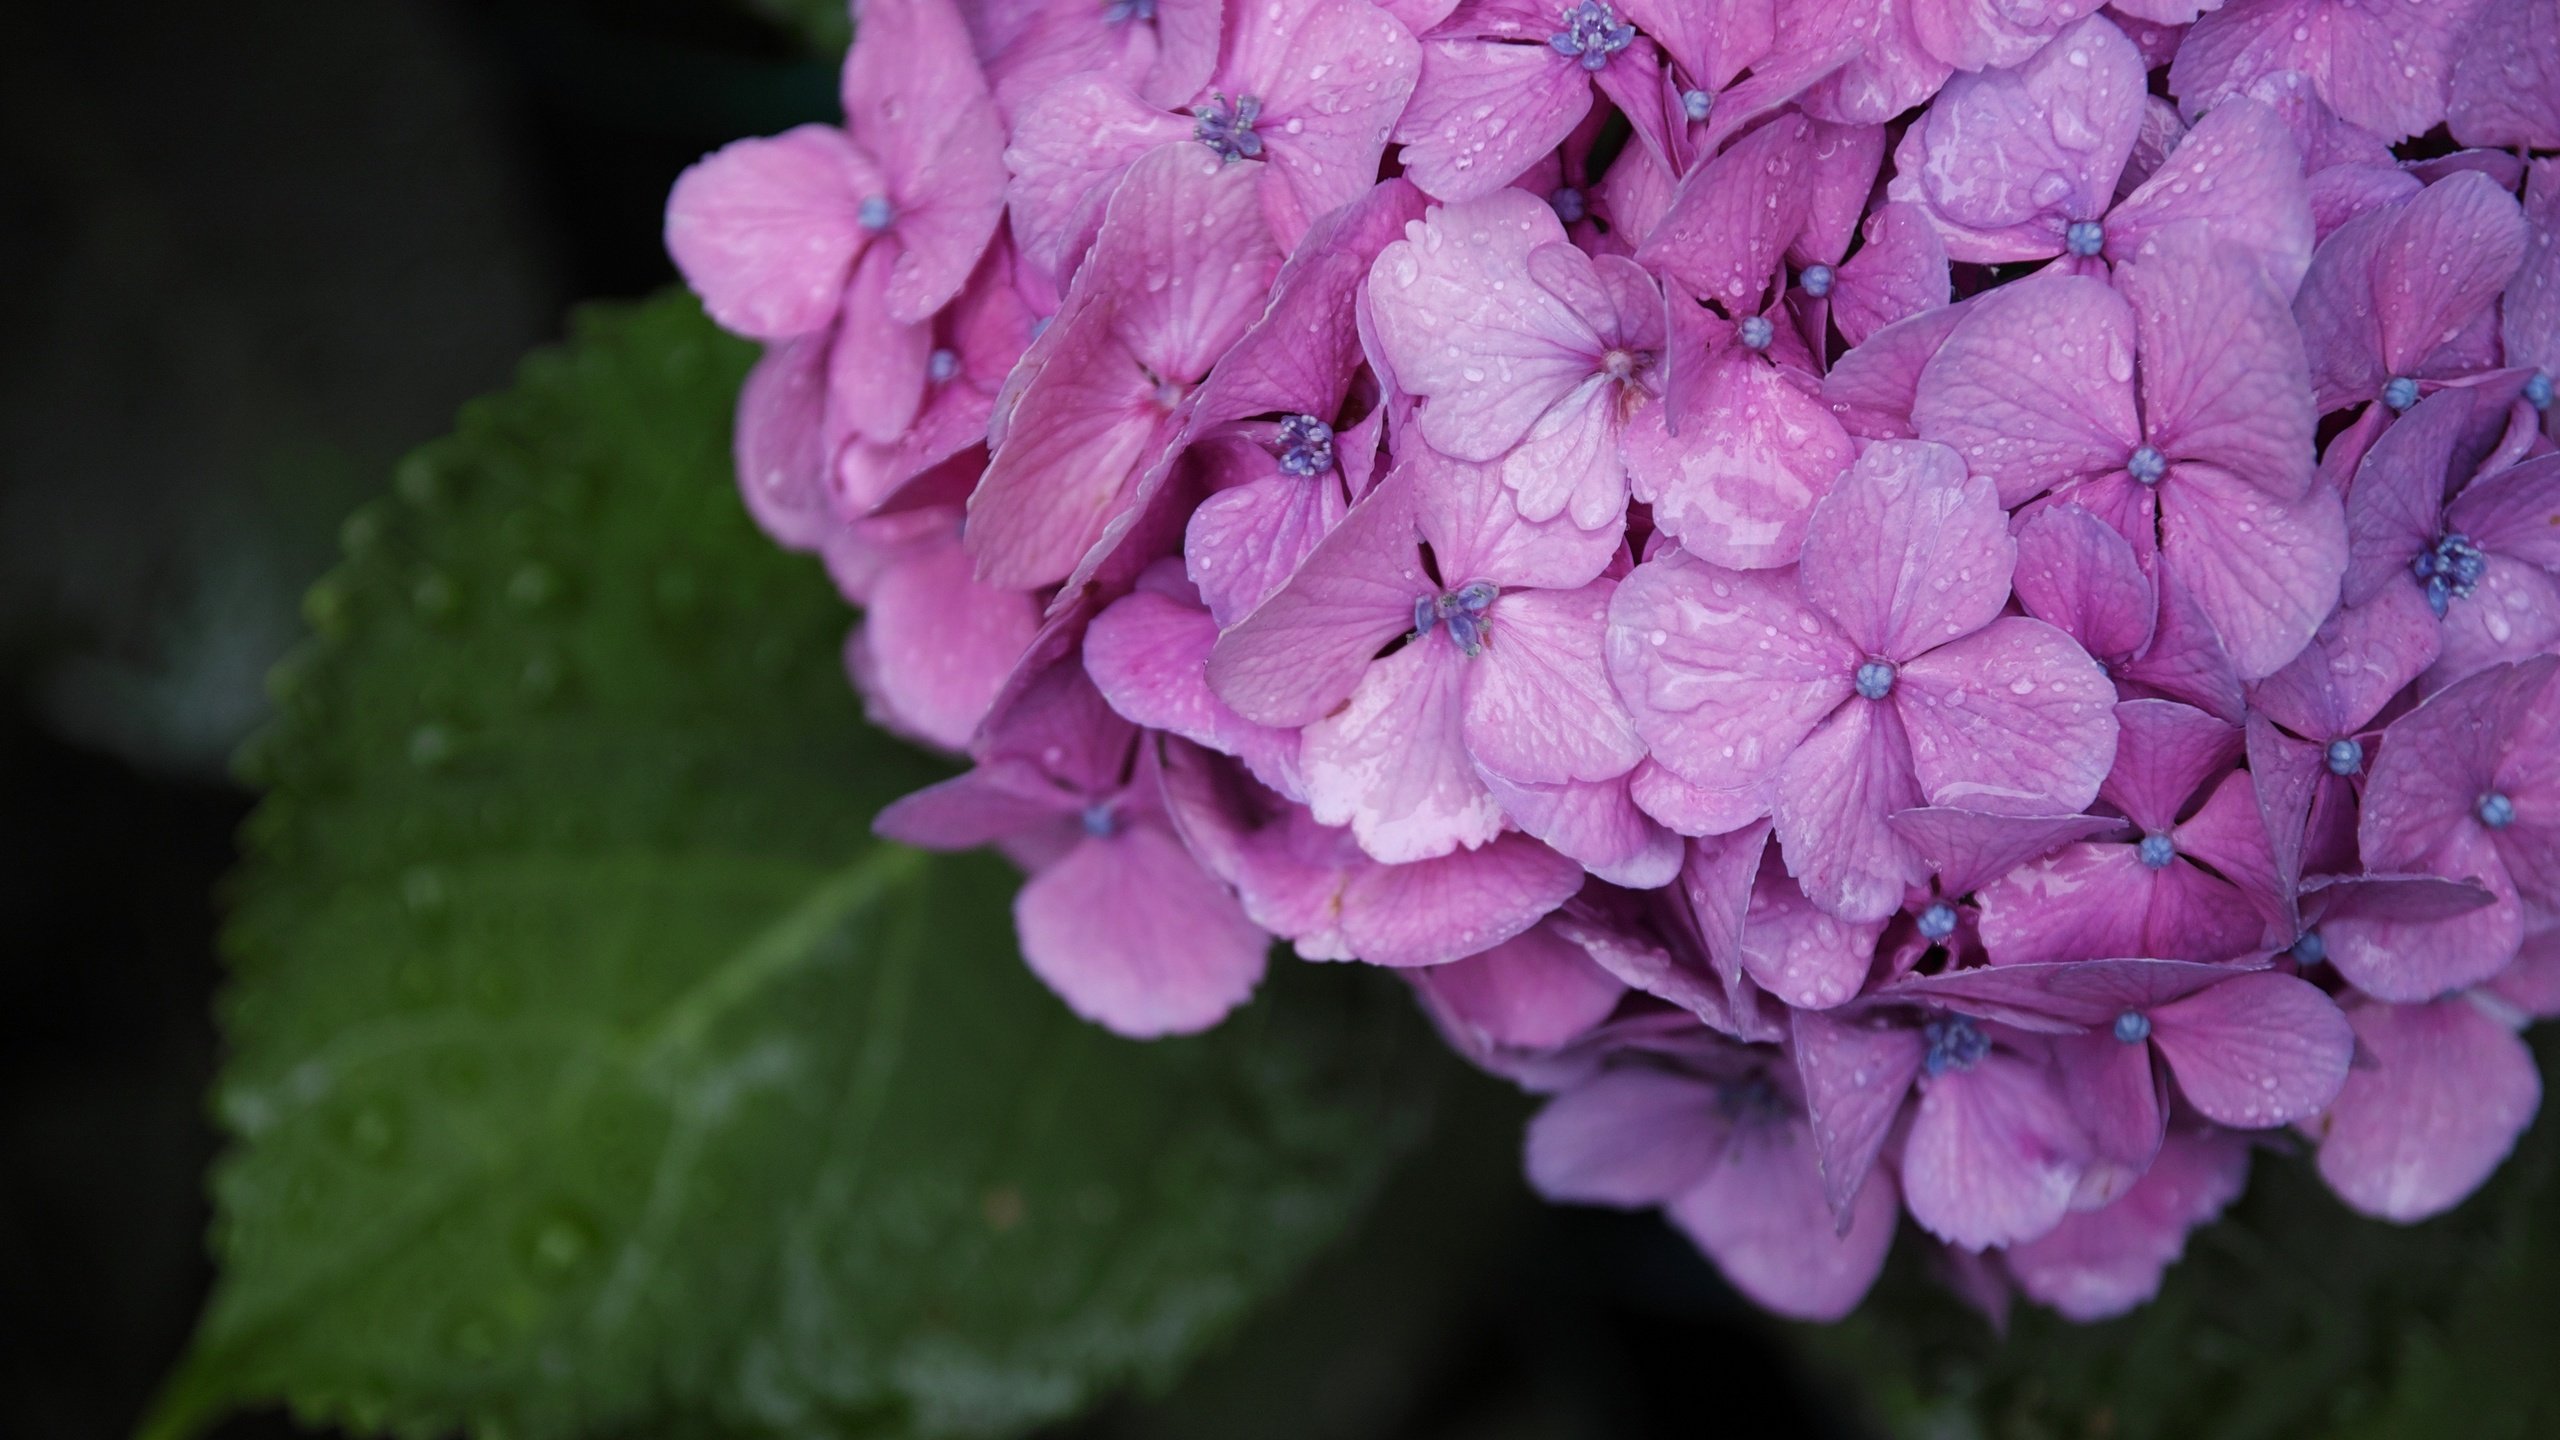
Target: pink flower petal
{"type": "Point", "coordinates": [2255, 1051]}
{"type": "Point", "coordinates": [1448, 149]}
{"type": "Point", "coordinates": [1301, 653]}
{"type": "Point", "coordinates": [1834, 803]}
{"type": "Point", "coordinates": [1737, 483]}
{"type": "Point", "coordinates": [766, 231]}
{"type": "Point", "coordinates": [1759, 1213]}
{"type": "Point", "coordinates": [946, 177]}
{"type": "Point", "coordinates": [2447, 1094]}
{"type": "Point", "coordinates": [2076, 573]}
{"type": "Point", "coordinates": [1993, 1156]}
{"type": "Point", "coordinates": [1392, 764]}
{"type": "Point", "coordinates": [1856, 1075]}
{"type": "Point", "coordinates": [2035, 386]}
{"type": "Point", "coordinates": [1632, 1136]}
{"type": "Point", "coordinates": [1799, 953]}
{"type": "Point", "coordinates": [1536, 989]}
{"type": "Point", "coordinates": [1908, 552]}
{"type": "Point", "coordinates": [2101, 1263]}
{"type": "Point", "coordinates": [1539, 708]}
{"type": "Point", "coordinates": [1134, 937]}
{"type": "Point", "coordinates": [2014, 719]}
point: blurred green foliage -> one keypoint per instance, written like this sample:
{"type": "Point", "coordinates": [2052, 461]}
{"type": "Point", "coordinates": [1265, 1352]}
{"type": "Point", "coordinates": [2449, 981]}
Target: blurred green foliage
{"type": "Point", "coordinates": [594, 1070]}
{"type": "Point", "coordinates": [2293, 1319]}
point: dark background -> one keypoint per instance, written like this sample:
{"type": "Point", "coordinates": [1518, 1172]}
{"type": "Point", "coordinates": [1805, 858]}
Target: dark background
{"type": "Point", "coordinates": [257, 249]}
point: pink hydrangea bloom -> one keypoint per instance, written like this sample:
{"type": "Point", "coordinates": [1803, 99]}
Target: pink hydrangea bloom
{"type": "Point", "coordinates": [1779, 561]}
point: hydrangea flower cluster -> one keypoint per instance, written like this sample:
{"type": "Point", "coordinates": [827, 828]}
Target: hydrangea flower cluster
{"type": "Point", "coordinates": [1927, 608]}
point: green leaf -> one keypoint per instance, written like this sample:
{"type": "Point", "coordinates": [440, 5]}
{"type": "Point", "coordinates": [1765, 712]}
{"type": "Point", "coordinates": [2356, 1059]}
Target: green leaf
{"type": "Point", "coordinates": [2294, 1319]}
{"type": "Point", "coordinates": [593, 1069]}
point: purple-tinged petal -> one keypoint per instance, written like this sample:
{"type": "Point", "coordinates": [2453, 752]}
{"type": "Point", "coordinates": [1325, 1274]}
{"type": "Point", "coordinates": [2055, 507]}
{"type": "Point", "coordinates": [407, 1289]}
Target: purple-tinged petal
{"type": "Point", "coordinates": [1476, 531]}
{"type": "Point", "coordinates": [1726, 236]}
{"type": "Point", "coordinates": [1450, 151]}
{"type": "Point", "coordinates": [1070, 147]}
{"type": "Point", "coordinates": [2061, 998]}
{"type": "Point", "coordinates": [2505, 86]}
{"type": "Point", "coordinates": [2381, 66]}
{"type": "Point", "coordinates": [2363, 655]}
{"type": "Point", "coordinates": [1759, 1213]}
{"type": "Point", "coordinates": [2165, 753]}
{"type": "Point", "coordinates": [2513, 513]}
{"type": "Point", "coordinates": [1434, 911]}
{"type": "Point", "coordinates": [1148, 654]}
{"type": "Point", "coordinates": [877, 369]}
{"type": "Point", "coordinates": [2035, 386]}
{"type": "Point", "coordinates": [1539, 707]}
{"type": "Point", "coordinates": [1301, 653]}
{"type": "Point", "coordinates": [1631, 1136]}
{"type": "Point", "coordinates": [1243, 544]}
{"type": "Point", "coordinates": [1332, 76]}
{"type": "Point", "coordinates": [2102, 1263]}
{"type": "Point", "coordinates": [1856, 1074]}
{"type": "Point", "coordinates": [989, 803]}
{"type": "Point", "coordinates": [1751, 458]}
{"type": "Point", "coordinates": [2082, 902]}
{"type": "Point", "coordinates": [2186, 661]}
{"type": "Point", "coordinates": [1833, 806]}
{"type": "Point", "coordinates": [940, 644]}
{"type": "Point", "coordinates": [1598, 825]}
{"type": "Point", "coordinates": [2002, 161]}
{"type": "Point", "coordinates": [2447, 1094]}
{"type": "Point", "coordinates": [1908, 552]}
{"type": "Point", "coordinates": [1130, 932]}
{"type": "Point", "coordinates": [1969, 849]}
{"type": "Point", "coordinates": [766, 231]}
{"type": "Point", "coordinates": [1690, 809]}
{"type": "Point", "coordinates": [2236, 172]}
{"type": "Point", "coordinates": [1993, 1156]}
{"type": "Point", "coordinates": [946, 175]}
{"type": "Point", "coordinates": [2014, 719]}
{"type": "Point", "coordinates": [2222, 364]}
{"type": "Point", "coordinates": [1724, 671]}
{"type": "Point", "coordinates": [2264, 572]}
{"type": "Point", "coordinates": [2076, 573]}
{"type": "Point", "coordinates": [1392, 763]}
{"type": "Point", "coordinates": [1900, 272]}
{"type": "Point", "coordinates": [780, 446]}
{"type": "Point", "coordinates": [1801, 954]}
{"type": "Point", "coordinates": [1536, 990]}
{"type": "Point", "coordinates": [2447, 254]}
{"type": "Point", "coordinates": [2256, 1051]}
{"type": "Point", "coordinates": [1873, 387]}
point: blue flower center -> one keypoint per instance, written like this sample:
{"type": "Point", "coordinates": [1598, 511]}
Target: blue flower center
{"type": "Point", "coordinates": [1955, 1043]}
{"type": "Point", "coordinates": [1099, 822]}
{"type": "Point", "coordinates": [1306, 445]}
{"type": "Point", "coordinates": [2310, 949]}
{"type": "Point", "coordinates": [2085, 238]}
{"type": "Point", "coordinates": [2537, 391]}
{"type": "Point", "coordinates": [1121, 12]}
{"type": "Point", "coordinates": [2346, 756]}
{"type": "Point", "coordinates": [1817, 280]}
{"type": "Point", "coordinates": [2147, 465]}
{"type": "Point", "coordinates": [1696, 103]}
{"type": "Point", "coordinates": [2133, 1027]}
{"type": "Point", "coordinates": [2158, 850]}
{"type": "Point", "coordinates": [1875, 679]}
{"type": "Point", "coordinates": [1938, 921]}
{"type": "Point", "coordinates": [1463, 608]}
{"type": "Point", "coordinates": [875, 213]}
{"type": "Point", "coordinates": [2496, 811]}
{"type": "Point", "coordinates": [2401, 393]}
{"type": "Point", "coordinates": [2450, 571]}
{"type": "Point", "coordinates": [1592, 33]}
{"type": "Point", "coordinates": [941, 365]}
{"type": "Point", "coordinates": [1756, 332]}
{"type": "Point", "coordinates": [1226, 126]}
{"type": "Point", "coordinates": [1568, 204]}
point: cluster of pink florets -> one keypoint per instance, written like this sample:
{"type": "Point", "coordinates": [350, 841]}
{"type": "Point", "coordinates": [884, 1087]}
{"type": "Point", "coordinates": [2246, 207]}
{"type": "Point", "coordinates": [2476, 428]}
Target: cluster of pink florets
{"type": "Point", "coordinates": [1909, 605]}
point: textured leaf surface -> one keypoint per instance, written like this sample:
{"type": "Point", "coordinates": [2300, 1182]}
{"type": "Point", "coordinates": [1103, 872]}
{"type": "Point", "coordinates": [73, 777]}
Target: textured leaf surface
{"type": "Point", "coordinates": [2295, 1320]}
{"type": "Point", "coordinates": [593, 1070]}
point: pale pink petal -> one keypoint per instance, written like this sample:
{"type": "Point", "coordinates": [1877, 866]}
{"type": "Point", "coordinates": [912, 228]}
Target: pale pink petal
{"type": "Point", "coordinates": [780, 446]}
{"type": "Point", "coordinates": [1799, 953]}
{"type": "Point", "coordinates": [1332, 76]}
{"type": "Point", "coordinates": [1632, 1136]}
{"type": "Point", "coordinates": [2035, 385]}
{"type": "Point", "coordinates": [1134, 936]}
{"type": "Point", "coordinates": [1392, 763]}
{"type": "Point", "coordinates": [2014, 719]}
{"type": "Point", "coordinates": [1469, 517]}
{"type": "Point", "coordinates": [1185, 256]}
{"type": "Point", "coordinates": [1300, 654]}
{"type": "Point", "coordinates": [1856, 1075]}
{"type": "Point", "coordinates": [1900, 272]}
{"type": "Point", "coordinates": [1085, 427]}
{"type": "Point", "coordinates": [1688, 809]}
{"type": "Point", "coordinates": [1430, 912]}
{"type": "Point", "coordinates": [1539, 707]}
{"type": "Point", "coordinates": [2003, 161]}
{"type": "Point", "coordinates": [2076, 573]}
{"type": "Point", "coordinates": [1597, 824]}
{"type": "Point", "coordinates": [2448, 1092]}
{"type": "Point", "coordinates": [1242, 544]}
{"type": "Point", "coordinates": [766, 231]}
{"type": "Point", "coordinates": [941, 643]}
{"type": "Point", "coordinates": [1726, 236]}
{"type": "Point", "coordinates": [1993, 1156]}
{"type": "Point", "coordinates": [946, 177]}
{"type": "Point", "coordinates": [1536, 990]}
{"type": "Point", "coordinates": [2102, 1263]}
{"type": "Point", "coordinates": [1908, 552]}
{"type": "Point", "coordinates": [1738, 481]}
{"type": "Point", "coordinates": [1724, 671]}
{"type": "Point", "coordinates": [1148, 654]}
{"type": "Point", "coordinates": [1833, 806]}
{"type": "Point", "coordinates": [1448, 149]}
{"type": "Point", "coordinates": [1759, 1213]}
{"type": "Point", "coordinates": [2255, 1051]}
{"type": "Point", "coordinates": [1071, 146]}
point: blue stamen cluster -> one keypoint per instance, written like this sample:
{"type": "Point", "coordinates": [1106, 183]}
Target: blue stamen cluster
{"type": "Point", "coordinates": [2450, 571]}
{"type": "Point", "coordinates": [1306, 446]}
{"type": "Point", "coordinates": [1592, 33]}
{"type": "Point", "coordinates": [1463, 608]}
{"type": "Point", "coordinates": [2496, 811]}
{"type": "Point", "coordinates": [1875, 679]}
{"type": "Point", "coordinates": [1816, 280]}
{"type": "Point", "coordinates": [1938, 921]}
{"type": "Point", "coordinates": [2085, 238]}
{"type": "Point", "coordinates": [2133, 1027]}
{"type": "Point", "coordinates": [875, 213]}
{"type": "Point", "coordinates": [2147, 465]}
{"type": "Point", "coordinates": [2158, 850]}
{"type": "Point", "coordinates": [1226, 126]}
{"type": "Point", "coordinates": [2345, 756]}
{"type": "Point", "coordinates": [2401, 393]}
{"type": "Point", "coordinates": [1955, 1043]}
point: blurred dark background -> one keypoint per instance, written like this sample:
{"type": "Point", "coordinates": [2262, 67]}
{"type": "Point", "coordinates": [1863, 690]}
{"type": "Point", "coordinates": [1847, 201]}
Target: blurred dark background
{"type": "Point", "coordinates": [258, 249]}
